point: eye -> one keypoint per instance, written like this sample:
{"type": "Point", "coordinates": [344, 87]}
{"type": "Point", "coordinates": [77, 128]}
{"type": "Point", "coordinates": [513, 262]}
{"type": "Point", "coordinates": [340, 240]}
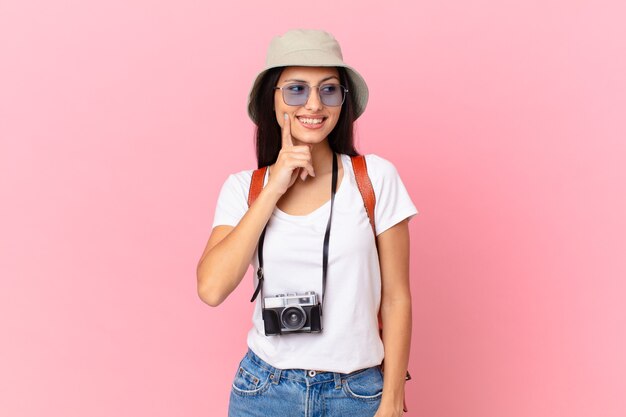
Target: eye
{"type": "Point", "coordinates": [296, 88]}
{"type": "Point", "coordinates": [329, 89]}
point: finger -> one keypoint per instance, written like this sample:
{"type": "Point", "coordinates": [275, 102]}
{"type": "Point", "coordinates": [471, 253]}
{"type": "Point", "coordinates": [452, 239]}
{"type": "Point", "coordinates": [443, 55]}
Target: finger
{"type": "Point", "coordinates": [300, 165]}
{"type": "Point", "coordinates": [307, 170]}
{"type": "Point", "coordinates": [306, 149]}
{"type": "Point", "coordinates": [304, 162]}
{"type": "Point", "coordinates": [298, 172]}
{"type": "Point", "coordinates": [300, 156]}
{"type": "Point", "coordinates": [303, 152]}
{"type": "Point", "coordinates": [287, 142]}
{"type": "Point", "coordinates": [310, 166]}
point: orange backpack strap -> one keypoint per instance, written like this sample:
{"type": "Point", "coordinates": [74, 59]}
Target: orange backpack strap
{"type": "Point", "coordinates": [369, 199]}
{"type": "Point", "coordinates": [365, 188]}
{"type": "Point", "coordinates": [256, 184]}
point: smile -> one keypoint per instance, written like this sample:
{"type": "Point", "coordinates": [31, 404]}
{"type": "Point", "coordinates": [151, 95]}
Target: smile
{"type": "Point", "coordinates": [311, 122]}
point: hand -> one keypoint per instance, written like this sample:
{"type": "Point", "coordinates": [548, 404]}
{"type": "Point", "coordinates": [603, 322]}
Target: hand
{"type": "Point", "coordinates": [291, 162]}
{"type": "Point", "coordinates": [389, 409]}
{"type": "Point", "coordinates": [388, 412]}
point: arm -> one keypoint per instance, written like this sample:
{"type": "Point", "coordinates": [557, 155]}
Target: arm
{"type": "Point", "coordinates": [393, 253]}
{"type": "Point", "coordinates": [229, 250]}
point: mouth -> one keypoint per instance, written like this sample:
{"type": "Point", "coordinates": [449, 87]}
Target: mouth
{"type": "Point", "coordinates": [311, 122]}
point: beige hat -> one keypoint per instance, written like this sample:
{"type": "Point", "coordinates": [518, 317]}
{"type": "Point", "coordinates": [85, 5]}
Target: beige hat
{"type": "Point", "coordinates": [310, 48]}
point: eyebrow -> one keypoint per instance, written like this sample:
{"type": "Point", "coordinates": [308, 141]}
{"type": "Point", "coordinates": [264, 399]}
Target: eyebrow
{"type": "Point", "coordinates": [321, 81]}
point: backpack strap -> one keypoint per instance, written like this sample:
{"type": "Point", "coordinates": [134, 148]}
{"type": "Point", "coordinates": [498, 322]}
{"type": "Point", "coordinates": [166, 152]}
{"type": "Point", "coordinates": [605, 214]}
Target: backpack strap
{"type": "Point", "coordinates": [256, 184]}
{"type": "Point", "coordinates": [365, 188]}
{"type": "Point", "coordinates": [369, 199]}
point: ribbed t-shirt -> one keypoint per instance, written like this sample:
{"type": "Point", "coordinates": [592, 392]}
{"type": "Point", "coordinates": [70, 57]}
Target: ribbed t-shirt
{"type": "Point", "coordinates": [292, 263]}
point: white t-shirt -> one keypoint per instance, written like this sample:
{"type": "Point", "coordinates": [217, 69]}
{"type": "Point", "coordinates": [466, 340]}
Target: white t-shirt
{"type": "Point", "coordinates": [292, 261]}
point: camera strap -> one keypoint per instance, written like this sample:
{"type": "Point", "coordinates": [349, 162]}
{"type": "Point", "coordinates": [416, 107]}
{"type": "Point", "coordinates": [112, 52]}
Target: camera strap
{"type": "Point", "coordinates": [260, 273]}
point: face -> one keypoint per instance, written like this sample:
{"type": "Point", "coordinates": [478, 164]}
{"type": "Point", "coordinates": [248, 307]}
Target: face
{"type": "Point", "coordinates": [313, 121]}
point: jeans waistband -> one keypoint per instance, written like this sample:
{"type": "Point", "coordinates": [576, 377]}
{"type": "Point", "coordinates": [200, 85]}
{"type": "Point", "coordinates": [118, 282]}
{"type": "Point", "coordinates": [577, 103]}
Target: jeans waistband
{"type": "Point", "coordinates": [308, 376]}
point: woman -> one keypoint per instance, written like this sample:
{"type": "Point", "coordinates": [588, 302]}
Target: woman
{"type": "Point", "coordinates": [323, 355]}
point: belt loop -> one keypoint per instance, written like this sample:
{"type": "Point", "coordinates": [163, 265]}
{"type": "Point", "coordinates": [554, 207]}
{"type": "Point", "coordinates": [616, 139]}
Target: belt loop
{"type": "Point", "coordinates": [337, 377]}
{"type": "Point", "coordinates": [276, 375]}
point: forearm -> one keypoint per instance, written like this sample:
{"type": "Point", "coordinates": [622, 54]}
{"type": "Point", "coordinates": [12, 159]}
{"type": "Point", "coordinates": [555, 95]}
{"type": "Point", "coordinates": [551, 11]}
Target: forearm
{"type": "Point", "coordinates": [222, 268]}
{"type": "Point", "coordinates": [396, 318]}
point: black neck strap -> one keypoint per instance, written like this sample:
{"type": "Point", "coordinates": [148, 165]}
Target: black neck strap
{"type": "Point", "coordinates": [260, 274]}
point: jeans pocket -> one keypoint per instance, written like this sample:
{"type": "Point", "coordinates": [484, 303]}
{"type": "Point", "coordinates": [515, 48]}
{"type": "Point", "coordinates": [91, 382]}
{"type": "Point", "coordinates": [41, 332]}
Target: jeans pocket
{"type": "Point", "coordinates": [250, 379]}
{"type": "Point", "coordinates": [364, 385]}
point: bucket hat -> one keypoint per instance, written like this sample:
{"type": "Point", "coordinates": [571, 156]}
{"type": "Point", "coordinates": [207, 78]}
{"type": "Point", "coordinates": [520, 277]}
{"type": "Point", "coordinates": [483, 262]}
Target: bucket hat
{"type": "Point", "coordinates": [309, 48]}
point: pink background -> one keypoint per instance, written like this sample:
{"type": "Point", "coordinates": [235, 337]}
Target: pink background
{"type": "Point", "coordinates": [119, 121]}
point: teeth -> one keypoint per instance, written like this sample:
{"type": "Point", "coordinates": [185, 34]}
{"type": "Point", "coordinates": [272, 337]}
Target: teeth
{"type": "Point", "coordinates": [310, 121]}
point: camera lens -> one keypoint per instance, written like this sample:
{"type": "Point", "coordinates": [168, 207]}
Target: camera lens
{"type": "Point", "coordinates": [293, 318]}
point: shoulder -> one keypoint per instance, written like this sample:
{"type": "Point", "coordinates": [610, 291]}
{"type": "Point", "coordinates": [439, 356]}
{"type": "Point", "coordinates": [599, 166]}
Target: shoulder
{"type": "Point", "coordinates": [238, 182]}
{"type": "Point", "coordinates": [379, 168]}
{"type": "Point", "coordinates": [241, 177]}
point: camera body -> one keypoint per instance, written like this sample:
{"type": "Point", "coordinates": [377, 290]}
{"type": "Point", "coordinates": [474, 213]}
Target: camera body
{"type": "Point", "coordinates": [292, 313]}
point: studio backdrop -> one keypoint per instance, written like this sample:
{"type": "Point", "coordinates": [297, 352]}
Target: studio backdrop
{"type": "Point", "coordinates": [120, 120]}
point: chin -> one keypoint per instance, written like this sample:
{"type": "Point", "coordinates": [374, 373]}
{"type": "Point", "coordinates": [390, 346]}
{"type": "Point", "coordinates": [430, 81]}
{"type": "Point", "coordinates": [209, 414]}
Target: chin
{"type": "Point", "coordinates": [310, 137]}
{"type": "Point", "coordinates": [310, 140]}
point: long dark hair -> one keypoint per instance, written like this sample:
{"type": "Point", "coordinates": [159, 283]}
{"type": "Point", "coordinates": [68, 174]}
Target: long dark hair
{"type": "Point", "coordinates": [268, 132]}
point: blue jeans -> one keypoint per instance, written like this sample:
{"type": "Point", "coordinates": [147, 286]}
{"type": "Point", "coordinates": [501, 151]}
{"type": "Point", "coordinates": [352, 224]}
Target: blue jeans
{"type": "Point", "coordinates": [260, 390]}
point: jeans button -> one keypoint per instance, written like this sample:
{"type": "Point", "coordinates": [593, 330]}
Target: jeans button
{"type": "Point", "coordinates": [311, 374]}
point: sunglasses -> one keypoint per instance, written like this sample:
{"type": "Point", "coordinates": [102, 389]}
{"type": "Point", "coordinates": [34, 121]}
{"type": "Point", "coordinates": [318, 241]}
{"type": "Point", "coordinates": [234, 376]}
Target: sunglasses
{"type": "Point", "coordinates": [297, 94]}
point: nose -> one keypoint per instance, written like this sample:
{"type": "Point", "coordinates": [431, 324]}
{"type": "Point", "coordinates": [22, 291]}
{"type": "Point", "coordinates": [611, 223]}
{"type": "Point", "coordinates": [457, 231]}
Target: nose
{"type": "Point", "coordinates": [314, 101]}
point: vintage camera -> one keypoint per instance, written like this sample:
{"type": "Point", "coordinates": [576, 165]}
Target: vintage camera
{"type": "Point", "coordinates": [292, 313]}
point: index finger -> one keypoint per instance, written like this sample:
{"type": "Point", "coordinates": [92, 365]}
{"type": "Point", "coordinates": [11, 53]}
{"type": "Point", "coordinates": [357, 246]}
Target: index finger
{"type": "Point", "coordinates": [286, 133]}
